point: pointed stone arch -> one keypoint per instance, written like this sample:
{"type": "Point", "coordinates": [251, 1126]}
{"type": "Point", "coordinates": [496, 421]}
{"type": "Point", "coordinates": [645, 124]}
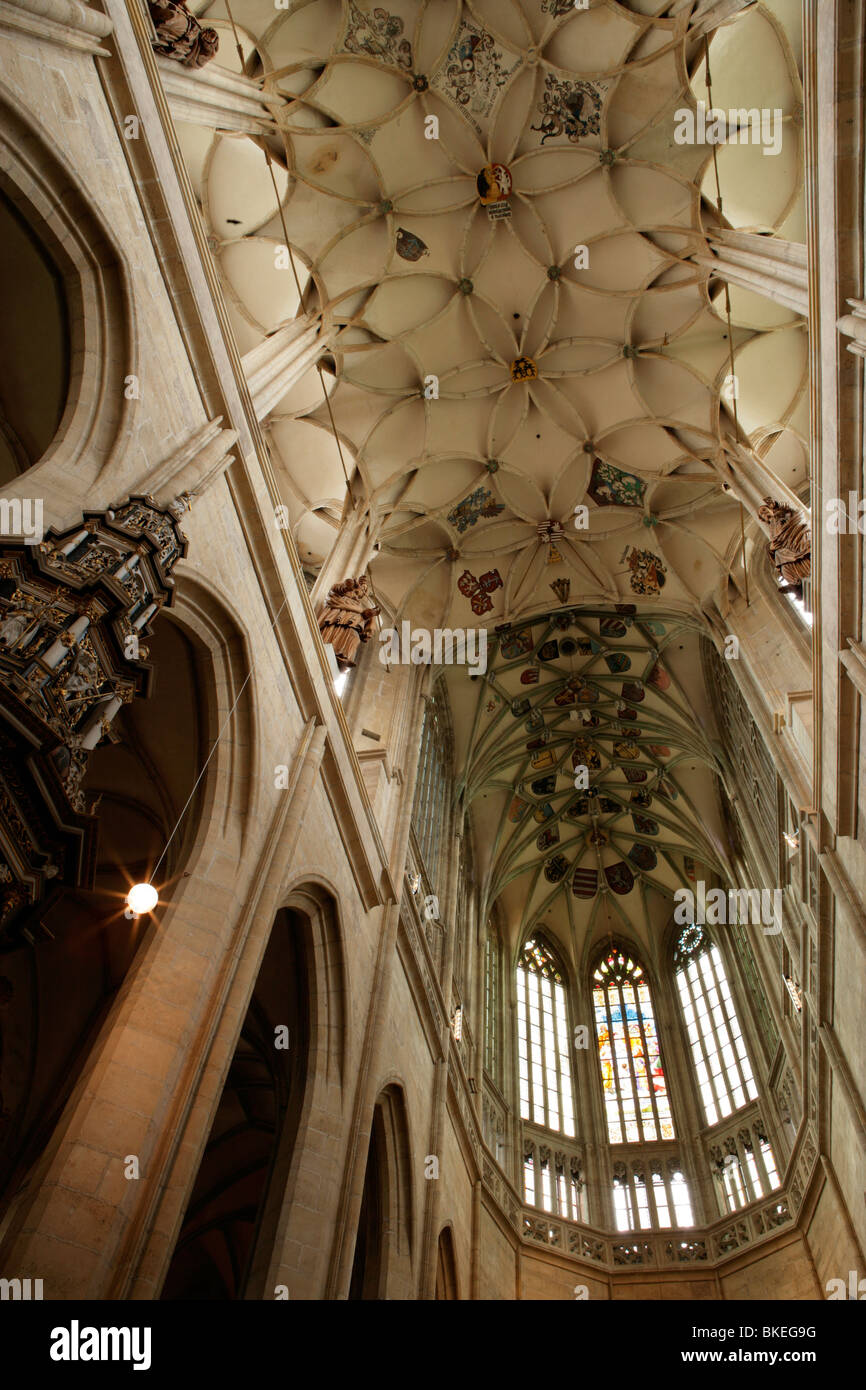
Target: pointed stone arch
{"type": "Point", "coordinates": [49, 199]}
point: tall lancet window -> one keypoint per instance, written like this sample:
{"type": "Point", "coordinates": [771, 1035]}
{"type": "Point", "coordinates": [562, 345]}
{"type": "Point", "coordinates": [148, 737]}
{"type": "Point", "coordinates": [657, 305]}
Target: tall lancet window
{"type": "Point", "coordinates": [433, 788]}
{"type": "Point", "coordinates": [636, 1099]}
{"type": "Point", "coordinates": [546, 1091]}
{"type": "Point", "coordinates": [719, 1054]}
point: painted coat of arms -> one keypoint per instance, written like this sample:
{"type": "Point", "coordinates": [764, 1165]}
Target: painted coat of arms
{"type": "Point", "coordinates": [474, 71]}
{"type": "Point", "coordinates": [378, 35]}
{"type": "Point", "coordinates": [643, 857]}
{"type": "Point", "coordinates": [410, 246]}
{"type": "Point", "coordinates": [584, 755]}
{"type": "Point", "coordinates": [543, 786]}
{"type": "Point", "coordinates": [659, 677]}
{"type": "Point", "coordinates": [611, 487]}
{"type": "Point", "coordinates": [617, 662]}
{"type": "Point", "coordinates": [620, 877]}
{"type": "Point", "coordinates": [516, 644]}
{"type": "Point", "coordinates": [479, 503]}
{"type": "Point", "coordinates": [648, 572]}
{"type": "Point", "coordinates": [478, 591]}
{"type": "Point", "coordinates": [556, 868]}
{"type": "Point", "coordinates": [569, 108]}
{"type": "Point", "coordinates": [584, 883]}
{"type": "Point", "coordinates": [546, 758]}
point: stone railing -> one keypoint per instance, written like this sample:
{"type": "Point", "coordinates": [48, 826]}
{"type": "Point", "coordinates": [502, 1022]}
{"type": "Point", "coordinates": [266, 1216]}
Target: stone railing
{"type": "Point", "coordinates": [705, 1246]}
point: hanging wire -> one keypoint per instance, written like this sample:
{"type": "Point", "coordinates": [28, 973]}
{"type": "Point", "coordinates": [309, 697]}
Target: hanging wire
{"type": "Point", "coordinates": [319, 367]}
{"type": "Point", "coordinates": [237, 40]}
{"type": "Point", "coordinates": [212, 751]}
{"type": "Point", "coordinates": [733, 376]}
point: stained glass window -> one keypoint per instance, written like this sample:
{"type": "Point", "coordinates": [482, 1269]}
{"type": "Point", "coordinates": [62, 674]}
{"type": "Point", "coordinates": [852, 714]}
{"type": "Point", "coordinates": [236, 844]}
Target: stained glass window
{"type": "Point", "coordinates": [635, 1091]}
{"type": "Point", "coordinates": [546, 1092]}
{"type": "Point", "coordinates": [718, 1050]}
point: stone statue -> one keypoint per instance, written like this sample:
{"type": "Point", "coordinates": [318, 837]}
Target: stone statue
{"type": "Point", "coordinates": [347, 619]}
{"type": "Point", "coordinates": [14, 624]}
{"type": "Point", "coordinates": [180, 35]}
{"type": "Point", "coordinates": [790, 544]}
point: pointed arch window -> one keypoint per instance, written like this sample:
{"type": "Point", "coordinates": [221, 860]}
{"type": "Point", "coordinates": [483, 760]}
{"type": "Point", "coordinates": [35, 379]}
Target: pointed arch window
{"type": "Point", "coordinates": [491, 1009]}
{"type": "Point", "coordinates": [546, 1088]}
{"type": "Point", "coordinates": [719, 1055]}
{"type": "Point", "coordinates": [637, 1105]}
{"type": "Point", "coordinates": [433, 787]}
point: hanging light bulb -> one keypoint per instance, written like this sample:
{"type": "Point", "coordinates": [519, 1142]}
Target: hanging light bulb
{"type": "Point", "coordinates": [142, 897]}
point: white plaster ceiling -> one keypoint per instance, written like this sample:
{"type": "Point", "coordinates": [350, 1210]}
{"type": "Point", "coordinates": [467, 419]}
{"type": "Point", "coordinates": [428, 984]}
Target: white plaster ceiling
{"type": "Point", "coordinates": [623, 410]}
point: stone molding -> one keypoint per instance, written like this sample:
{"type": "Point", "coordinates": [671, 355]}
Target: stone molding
{"type": "Point", "coordinates": [68, 23]}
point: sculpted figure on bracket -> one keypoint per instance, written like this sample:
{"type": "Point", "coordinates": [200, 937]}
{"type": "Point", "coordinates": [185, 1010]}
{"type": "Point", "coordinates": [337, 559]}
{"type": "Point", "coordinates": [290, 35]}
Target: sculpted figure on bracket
{"type": "Point", "coordinates": [790, 546]}
{"type": "Point", "coordinates": [180, 34]}
{"type": "Point", "coordinates": [347, 619]}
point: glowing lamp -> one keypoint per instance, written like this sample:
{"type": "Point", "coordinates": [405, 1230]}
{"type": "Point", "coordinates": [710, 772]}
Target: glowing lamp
{"type": "Point", "coordinates": [142, 897]}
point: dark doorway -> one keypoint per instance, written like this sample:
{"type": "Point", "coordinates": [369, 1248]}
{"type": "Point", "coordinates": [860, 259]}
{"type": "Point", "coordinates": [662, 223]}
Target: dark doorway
{"type": "Point", "coordinates": [446, 1266]}
{"type": "Point", "coordinates": [367, 1264]}
{"type": "Point", "coordinates": [231, 1221]}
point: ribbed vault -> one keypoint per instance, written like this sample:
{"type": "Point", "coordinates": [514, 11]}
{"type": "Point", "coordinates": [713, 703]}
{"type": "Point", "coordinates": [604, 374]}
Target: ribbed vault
{"type": "Point", "coordinates": [614, 693]}
{"type": "Point", "coordinates": [489, 211]}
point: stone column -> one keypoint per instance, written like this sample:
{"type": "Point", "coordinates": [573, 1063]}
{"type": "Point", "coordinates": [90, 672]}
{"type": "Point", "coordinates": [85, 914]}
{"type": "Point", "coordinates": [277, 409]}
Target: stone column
{"type": "Point", "coordinates": [709, 14]}
{"type": "Point", "coordinates": [346, 1226]}
{"type": "Point", "coordinates": [757, 481]}
{"type": "Point", "coordinates": [766, 265]}
{"type": "Point", "coordinates": [429, 1245]}
{"type": "Point", "coordinates": [275, 365]}
{"type": "Point", "coordinates": [217, 99]}
{"type": "Point", "coordinates": [350, 554]}
{"type": "Point", "coordinates": [68, 23]}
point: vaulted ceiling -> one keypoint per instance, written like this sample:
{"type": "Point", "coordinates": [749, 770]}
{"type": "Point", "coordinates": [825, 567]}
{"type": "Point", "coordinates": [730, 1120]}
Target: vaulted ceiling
{"type": "Point", "coordinates": [533, 427]}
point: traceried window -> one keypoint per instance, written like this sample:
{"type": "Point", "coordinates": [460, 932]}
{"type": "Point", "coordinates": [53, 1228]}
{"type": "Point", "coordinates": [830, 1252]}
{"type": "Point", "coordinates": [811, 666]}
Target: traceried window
{"type": "Point", "coordinates": [651, 1195]}
{"type": "Point", "coordinates": [553, 1180]}
{"type": "Point", "coordinates": [636, 1099]}
{"type": "Point", "coordinates": [491, 1004]}
{"type": "Point", "coordinates": [432, 790]}
{"type": "Point", "coordinates": [546, 1091]}
{"type": "Point", "coordinates": [719, 1055]}
{"type": "Point", "coordinates": [745, 1166]}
